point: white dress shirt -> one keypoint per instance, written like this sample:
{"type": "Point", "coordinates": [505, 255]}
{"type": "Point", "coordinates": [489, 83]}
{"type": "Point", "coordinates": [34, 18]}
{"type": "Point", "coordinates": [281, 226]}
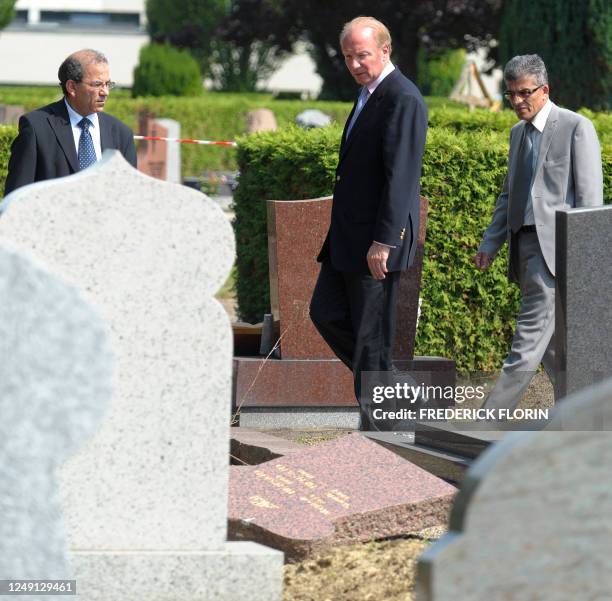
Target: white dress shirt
{"type": "Point", "coordinates": [538, 122]}
{"type": "Point", "coordinates": [388, 68]}
{"type": "Point", "coordinates": [94, 129]}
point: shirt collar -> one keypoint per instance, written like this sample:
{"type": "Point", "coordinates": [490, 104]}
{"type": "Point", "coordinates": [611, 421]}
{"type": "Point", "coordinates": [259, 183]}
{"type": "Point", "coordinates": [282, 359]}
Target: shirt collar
{"type": "Point", "coordinates": [388, 68]}
{"type": "Point", "coordinates": [76, 117]}
{"type": "Point", "coordinates": [539, 121]}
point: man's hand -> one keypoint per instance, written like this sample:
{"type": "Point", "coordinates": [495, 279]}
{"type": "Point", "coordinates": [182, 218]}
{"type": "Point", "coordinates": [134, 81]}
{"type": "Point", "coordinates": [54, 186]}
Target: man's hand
{"type": "Point", "coordinates": [482, 260]}
{"type": "Point", "coordinates": [377, 260]}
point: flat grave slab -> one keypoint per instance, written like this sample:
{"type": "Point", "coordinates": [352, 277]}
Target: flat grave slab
{"type": "Point", "coordinates": [445, 465]}
{"type": "Point", "coordinates": [253, 447]}
{"type": "Point", "coordinates": [446, 436]}
{"type": "Point", "coordinates": [344, 491]}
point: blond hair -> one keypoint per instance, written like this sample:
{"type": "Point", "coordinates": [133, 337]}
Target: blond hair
{"type": "Point", "coordinates": [381, 33]}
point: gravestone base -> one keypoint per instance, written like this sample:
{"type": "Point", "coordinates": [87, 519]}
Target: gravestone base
{"type": "Point", "coordinates": [300, 418]}
{"type": "Point", "coordinates": [234, 572]}
{"type": "Point", "coordinates": [307, 393]}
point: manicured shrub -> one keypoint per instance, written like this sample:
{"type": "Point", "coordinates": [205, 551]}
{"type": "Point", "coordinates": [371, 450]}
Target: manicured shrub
{"type": "Point", "coordinates": [7, 134]}
{"type": "Point", "coordinates": [291, 164]}
{"type": "Point", "coordinates": [439, 73]}
{"type": "Point", "coordinates": [166, 71]}
{"type": "Point", "coordinates": [219, 116]}
{"type": "Point", "coordinates": [466, 315]}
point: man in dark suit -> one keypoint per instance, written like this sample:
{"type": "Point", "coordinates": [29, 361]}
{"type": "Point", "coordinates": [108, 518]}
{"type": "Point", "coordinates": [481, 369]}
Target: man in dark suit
{"type": "Point", "coordinates": [375, 211]}
{"type": "Point", "coordinates": [69, 135]}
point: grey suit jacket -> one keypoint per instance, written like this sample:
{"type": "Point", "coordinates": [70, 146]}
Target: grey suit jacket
{"type": "Point", "coordinates": [567, 174]}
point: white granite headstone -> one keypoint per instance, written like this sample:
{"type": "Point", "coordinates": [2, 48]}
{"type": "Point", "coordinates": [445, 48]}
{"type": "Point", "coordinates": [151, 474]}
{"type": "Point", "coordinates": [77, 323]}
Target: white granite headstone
{"type": "Point", "coordinates": [55, 385]}
{"type": "Point", "coordinates": [173, 152]}
{"type": "Point", "coordinates": [533, 518]}
{"type": "Point", "coordinates": [146, 502]}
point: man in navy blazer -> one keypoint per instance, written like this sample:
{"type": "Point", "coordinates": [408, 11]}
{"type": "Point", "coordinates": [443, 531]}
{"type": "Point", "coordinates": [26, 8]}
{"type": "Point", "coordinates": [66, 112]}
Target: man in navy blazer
{"type": "Point", "coordinates": [375, 211]}
{"type": "Point", "coordinates": [47, 145]}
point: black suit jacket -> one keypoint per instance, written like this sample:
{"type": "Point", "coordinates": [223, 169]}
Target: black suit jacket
{"type": "Point", "coordinates": [45, 149]}
{"type": "Point", "coordinates": [376, 193]}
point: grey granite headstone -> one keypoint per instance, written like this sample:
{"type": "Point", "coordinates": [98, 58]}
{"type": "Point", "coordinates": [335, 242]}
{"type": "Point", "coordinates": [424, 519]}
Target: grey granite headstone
{"type": "Point", "coordinates": [583, 313]}
{"type": "Point", "coordinates": [146, 501]}
{"type": "Point", "coordinates": [533, 518]}
{"type": "Point", "coordinates": [55, 385]}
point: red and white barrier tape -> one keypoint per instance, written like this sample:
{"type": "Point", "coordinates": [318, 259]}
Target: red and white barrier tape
{"type": "Point", "coordinates": [186, 141]}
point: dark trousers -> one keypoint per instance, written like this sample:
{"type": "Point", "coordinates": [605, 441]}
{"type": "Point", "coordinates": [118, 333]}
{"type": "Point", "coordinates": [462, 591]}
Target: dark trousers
{"type": "Point", "coordinates": [355, 314]}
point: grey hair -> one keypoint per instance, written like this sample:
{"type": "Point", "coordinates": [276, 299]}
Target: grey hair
{"type": "Point", "coordinates": [525, 65]}
{"type": "Point", "coordinates": [74, 65]}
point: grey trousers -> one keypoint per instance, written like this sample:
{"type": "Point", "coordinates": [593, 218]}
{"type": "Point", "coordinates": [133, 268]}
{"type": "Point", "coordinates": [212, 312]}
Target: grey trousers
{"type": "Point", "coordinates": [534, 337]}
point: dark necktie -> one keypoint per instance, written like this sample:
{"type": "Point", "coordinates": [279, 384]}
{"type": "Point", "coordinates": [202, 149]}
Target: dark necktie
{"type": "Point", "coordinates": [87, 153]}
{"type": "Point", "coordinates": [523, 175]}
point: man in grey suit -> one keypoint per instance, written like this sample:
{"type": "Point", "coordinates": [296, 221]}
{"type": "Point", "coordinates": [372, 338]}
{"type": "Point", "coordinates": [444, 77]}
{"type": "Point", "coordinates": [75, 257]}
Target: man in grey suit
{"type": "Point", "coordinates": [554, 164]}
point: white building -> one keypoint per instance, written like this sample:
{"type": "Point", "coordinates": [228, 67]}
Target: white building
{"type": "Point", "coordinates": [45, 32]}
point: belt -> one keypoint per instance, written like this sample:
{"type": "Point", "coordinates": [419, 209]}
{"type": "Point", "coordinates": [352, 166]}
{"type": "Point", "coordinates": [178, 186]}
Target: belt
{"type": "Point", "coordinates": [528, 228]}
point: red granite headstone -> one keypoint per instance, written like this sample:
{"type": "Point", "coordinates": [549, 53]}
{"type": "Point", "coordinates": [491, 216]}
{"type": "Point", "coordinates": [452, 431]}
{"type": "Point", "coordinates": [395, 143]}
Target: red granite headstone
{"type": "Point", "coordinates": [152, 154]}
{"type": "Point", "coordinates": [296, 231]}
{"type": "Point", "coordinates": [344, 491]}
{"type": "Point", "coordinates": [10, 114]}
{"type": "Point", "coordinates": [408, 297]}
{"type": "Point", "coordinates": [308, 374]}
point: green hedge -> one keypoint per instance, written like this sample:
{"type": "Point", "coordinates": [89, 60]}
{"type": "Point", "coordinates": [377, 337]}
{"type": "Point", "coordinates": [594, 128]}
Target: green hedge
{"type": "Point", "coordinates": [220, 116]}
{"type": "Point", "coordinates": [291, 164]}
{"type": "Point", "coordinates": [7, 134]}
{"type": "Point", "coordinates": [466, 314]}
{"type": "Point", "coordinates": [212, 116]}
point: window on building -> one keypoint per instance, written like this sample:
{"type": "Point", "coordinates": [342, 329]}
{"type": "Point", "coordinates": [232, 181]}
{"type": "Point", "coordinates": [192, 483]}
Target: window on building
{"type": "Point", "coordinates": [94, 20]}
{"type": "Point", "coordinates": [20, 18]}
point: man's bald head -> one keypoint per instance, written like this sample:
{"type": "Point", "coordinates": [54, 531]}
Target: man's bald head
{"type": "Point", "coordinates": [73, 67]}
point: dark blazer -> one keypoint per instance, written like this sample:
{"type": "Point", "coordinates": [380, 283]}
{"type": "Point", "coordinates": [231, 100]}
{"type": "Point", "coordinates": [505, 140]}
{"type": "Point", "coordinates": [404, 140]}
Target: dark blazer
{"type": "Point", "coordinates": [376, 193]}
{"type": "Point", "coordinates": [44, 147]}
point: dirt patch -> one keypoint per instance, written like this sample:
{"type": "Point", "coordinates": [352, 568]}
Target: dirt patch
{"type": "Point", "coordinates": [377, 570]}
{"type": "Point", "coordinates": [363, 572]}
{"type": "Point", "coordinates": [308, 437]}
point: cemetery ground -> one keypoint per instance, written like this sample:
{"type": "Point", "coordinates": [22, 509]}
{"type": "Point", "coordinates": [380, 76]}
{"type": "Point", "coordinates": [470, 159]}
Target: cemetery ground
{"type": "Point", "coordinates": [378, 569]}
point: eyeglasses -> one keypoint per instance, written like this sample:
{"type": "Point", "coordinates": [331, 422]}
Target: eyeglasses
{"type": "Point", "coordinates": [524, 93]}
{"type": "Point", "coordinates": [98, 85]}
